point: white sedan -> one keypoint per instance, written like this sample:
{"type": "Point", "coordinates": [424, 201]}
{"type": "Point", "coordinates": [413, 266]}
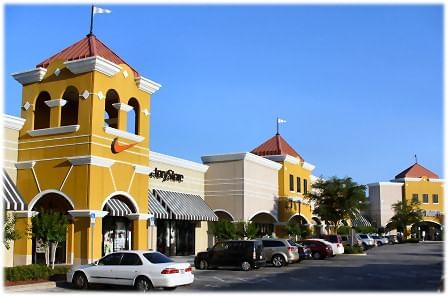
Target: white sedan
{"type": "Point", "coordinates": [142, 269]}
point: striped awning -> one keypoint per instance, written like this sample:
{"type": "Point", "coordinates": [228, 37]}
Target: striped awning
{"type": "Point", "coordinates": [183, 206]}
{"type": "Point", "coordinates": [12, 199]}
{"type": "Point", "coordinates": [116, 207]}
{"type": "Point", "coordinates": [360, 220]}
{"type": "Point", "coordinates": [156, 208]}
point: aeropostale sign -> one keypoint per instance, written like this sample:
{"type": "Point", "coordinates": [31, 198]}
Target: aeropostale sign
{"type": "Point", "coordinates": [168, 175]}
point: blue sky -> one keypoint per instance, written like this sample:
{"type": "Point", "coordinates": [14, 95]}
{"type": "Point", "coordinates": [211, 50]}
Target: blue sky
{"type": "Point", "coordinates": [361, 87]}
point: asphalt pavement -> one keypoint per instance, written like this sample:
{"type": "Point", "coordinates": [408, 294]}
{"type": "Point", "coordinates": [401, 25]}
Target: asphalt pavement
{"type": "Point", "coordinates": [393, 268]}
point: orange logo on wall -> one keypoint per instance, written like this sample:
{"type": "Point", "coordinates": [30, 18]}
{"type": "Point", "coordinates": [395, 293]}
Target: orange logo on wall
{"type": "Point", "coordinates": [117, 148]}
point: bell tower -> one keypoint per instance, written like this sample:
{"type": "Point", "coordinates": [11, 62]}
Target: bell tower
{"type": "Point", "coordinates": [84, 149]}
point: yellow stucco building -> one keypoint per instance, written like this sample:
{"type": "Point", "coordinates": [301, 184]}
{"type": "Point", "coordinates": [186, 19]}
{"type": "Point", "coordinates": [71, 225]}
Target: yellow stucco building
{"type": "Point", "coordinates": [294, 180]}
{"type": "Point", "coordinates": [83, 151]}
{"type": "Point", "coordinates": [426, 187]}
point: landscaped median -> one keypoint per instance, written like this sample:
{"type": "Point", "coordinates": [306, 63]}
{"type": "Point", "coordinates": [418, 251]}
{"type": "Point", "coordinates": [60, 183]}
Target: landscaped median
{"type": "Point", "coordinates": [353, 250]}
{"type": "Point", "coordinates": [32, 274]}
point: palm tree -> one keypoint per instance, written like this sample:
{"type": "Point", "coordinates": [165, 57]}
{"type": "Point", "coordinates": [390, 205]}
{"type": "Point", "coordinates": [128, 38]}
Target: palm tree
{"type": "Point", "coordinates": [405, 214]}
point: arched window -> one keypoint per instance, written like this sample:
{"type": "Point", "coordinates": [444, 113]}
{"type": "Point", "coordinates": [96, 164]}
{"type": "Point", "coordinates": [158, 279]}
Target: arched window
{"type": "Point", "coordinates": [133, 116]}
{"type": "Point", "coordinates": [42, 111]}
{"type": "Point", "coordinates": [69, 115]}
{"type": "Point", "coordinates": [110, 113]}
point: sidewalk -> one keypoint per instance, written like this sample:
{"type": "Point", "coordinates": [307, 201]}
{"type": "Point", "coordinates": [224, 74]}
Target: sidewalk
{"type": "Point", "coordinates": [30, 287]}
{"type": "Point", "coordinates": [184, 259]}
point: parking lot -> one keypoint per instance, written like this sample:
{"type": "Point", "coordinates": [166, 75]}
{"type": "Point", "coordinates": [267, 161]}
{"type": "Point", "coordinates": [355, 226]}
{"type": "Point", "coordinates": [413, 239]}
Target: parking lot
{"type": "Point", "coordinates": [404, 267]}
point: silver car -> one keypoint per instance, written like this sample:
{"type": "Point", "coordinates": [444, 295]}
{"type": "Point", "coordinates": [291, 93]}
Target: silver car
{"type": "Point", "coordinates": [280, 252]}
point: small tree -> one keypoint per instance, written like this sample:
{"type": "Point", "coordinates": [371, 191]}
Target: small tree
{"type": "Point", "coordinates": [223, 230]}
{"type": "Point", "coordinates": [251, 230]}
{"type": "Point", "coordinates": [337, 200]}
{"type": "Point", "coordinates": [10, 233]}
{"type": "Point", "coordinates": [50, 229]}
{"type": "Point", "coordinates": [405, 214]}
{"type": "Point", "coordinates": [297, 230]}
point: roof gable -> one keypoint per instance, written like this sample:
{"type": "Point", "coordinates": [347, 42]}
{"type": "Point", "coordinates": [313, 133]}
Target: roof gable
{"type": "Point", "coordinates": [276, 146]}
{"type": "Point", "coordinates": [89, 46]}
{"type": "Point", "coordinates": [416, 171]}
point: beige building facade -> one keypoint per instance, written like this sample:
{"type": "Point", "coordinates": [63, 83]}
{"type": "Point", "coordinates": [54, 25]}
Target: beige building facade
{"type": "Point", "coordinates": [176, 199]}
{"type": "Point", "coordinates": [243, 187]}
{"type": "Point", "coordinates": [11, 128]}
{"type": "Point", "coordinates": [382, 195]}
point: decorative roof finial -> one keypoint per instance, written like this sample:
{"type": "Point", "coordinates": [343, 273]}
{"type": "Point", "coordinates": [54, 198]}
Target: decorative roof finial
{"type": "Point", "coordinates": [416, 160]}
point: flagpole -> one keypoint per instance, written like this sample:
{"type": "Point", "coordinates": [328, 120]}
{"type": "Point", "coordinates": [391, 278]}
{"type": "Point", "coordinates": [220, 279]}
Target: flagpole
{"type": "Point", "coordinates": [277, 127]}
{"type": "Point", "coordinates": [91, 21]}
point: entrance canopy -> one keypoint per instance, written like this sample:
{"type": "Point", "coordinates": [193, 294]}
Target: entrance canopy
{"type": "Point", "coordinates": [116, 207]}
{"type": "Point", "coordinates": [156, 208]}
{"type": "Point", "coordinates": [12, 199]}
{"type": "Point", "coordinates": [183, 206]}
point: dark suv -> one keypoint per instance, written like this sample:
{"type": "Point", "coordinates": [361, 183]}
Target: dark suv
{"type": "Point", "coordinates": [245, 254]}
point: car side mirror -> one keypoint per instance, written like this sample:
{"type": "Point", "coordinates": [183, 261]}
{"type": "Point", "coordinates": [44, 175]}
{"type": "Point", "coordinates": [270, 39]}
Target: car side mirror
{"type": "Point", "coordinates": [95, 262]}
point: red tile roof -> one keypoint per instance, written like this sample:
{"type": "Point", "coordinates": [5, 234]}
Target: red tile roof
{"type": "Point", "coordinates": [416, 171]}
{"type": "Point", "coordinates": [276, 146]}
{"type": "Point", "coordinates": [89, 46]}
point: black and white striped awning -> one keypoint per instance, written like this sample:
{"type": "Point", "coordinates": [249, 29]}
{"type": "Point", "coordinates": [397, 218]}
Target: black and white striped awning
{"type": "Point", "coordinates": [184, 206]}
{"type": "Point", "coordinates": [116, 207]}
{"type": "Point", "coordinates": [12, 199]}
{"type": "Point", "coordinates": [156, 208]}
{"type": "Point", "coordinates": [360, 220]}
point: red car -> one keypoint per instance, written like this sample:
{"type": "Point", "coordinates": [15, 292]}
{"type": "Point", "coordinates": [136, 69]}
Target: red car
{"type": "Point", "coordinates": [318, 249]}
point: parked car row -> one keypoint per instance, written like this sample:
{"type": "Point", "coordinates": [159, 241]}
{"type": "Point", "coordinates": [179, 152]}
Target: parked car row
{"type": "Point", "coordinates": [252, 254]}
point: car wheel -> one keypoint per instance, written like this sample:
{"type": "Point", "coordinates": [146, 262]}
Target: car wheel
{"type": "Point", "coordinates": [278, 261]}
{"type": "Point", "coordinates": [379, 244]}
{"type": "Point", "coordinates": [203, 264]}
{"type": "Point", "coordinates": [317, 255]}
{"type": "Point", "coordinates": [245, 266]}
{"type": "Point", "coordinates": [143, 284]}
{"type": "Point", "coordinates": [80, 281]}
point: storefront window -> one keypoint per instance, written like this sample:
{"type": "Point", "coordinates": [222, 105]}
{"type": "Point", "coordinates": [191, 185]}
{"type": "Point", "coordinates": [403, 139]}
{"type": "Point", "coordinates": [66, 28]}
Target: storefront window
{"type": "Point", "coordinates": [116, 234]}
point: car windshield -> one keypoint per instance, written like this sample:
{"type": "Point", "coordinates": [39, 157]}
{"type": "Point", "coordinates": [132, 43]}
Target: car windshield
{"type": "Point", "coordinates": [157, 258]}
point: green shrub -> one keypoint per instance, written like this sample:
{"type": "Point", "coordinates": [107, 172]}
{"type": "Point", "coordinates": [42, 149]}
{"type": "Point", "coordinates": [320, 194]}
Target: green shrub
{"type": "Point", "coordinates": [33, 272]}
{"type": "Point", "coordinates": [356, 249]}
{"type": "Point", "coordinates": [411, 240]}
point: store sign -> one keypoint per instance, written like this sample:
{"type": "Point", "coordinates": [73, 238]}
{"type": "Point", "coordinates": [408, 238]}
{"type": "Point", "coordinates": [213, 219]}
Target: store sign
{"type": "Point", "coordinates": [168, 175]}
{"type": "Point", "coordinates": [431, 213]}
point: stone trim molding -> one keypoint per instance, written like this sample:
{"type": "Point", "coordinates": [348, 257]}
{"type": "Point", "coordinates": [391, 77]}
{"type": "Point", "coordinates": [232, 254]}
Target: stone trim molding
{"type": "Point", "coordinates": [175, 161]}
{"type": "Point", "coordinates": [91, 160]}
{"type": "Point", "coordinates": [123, 134]}
{"type": "Point", "coordinates": [30, 76]}
{"type": "Point", "coordinates": [54, 130]}
{"type": "Point", "coordinates": [147, 85]}
{"type": "Point", "coordinates": [95, 63]}
{"type": "Point", "coordinates": [56, 103]}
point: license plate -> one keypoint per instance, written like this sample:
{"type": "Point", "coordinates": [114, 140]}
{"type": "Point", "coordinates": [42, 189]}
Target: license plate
{"type": "Point", "coordinates": [182, 271]}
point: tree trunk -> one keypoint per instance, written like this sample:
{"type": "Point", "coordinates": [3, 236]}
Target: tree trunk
{"type": "Point", "coordinates": [47, 255]}
{"type": "Point", "coordinates": [54, 245]}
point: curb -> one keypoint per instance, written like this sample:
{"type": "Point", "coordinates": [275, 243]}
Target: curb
{"type": "Point", "coordinates": [30, 287]}
{"type": "Point", "coordinates": [361, 254]}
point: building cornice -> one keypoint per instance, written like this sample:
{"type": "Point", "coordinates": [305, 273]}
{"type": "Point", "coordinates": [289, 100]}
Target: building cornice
{"type": "Point", "coordinates": [95, 63]}
{"type": "Point", "coordinates": [13, 122]}
{"type": "Point", "coordinates": [417, 180]}
{"type": "Point", "coordinates": [139, 169]}
{"type": "Point", "coordinates": [242, 156]}
{"type": "Point", "coordinates": [30, 76]}
{"type": "Point", "coordinates": [122, 107]}
{"type": "Point", "coordinates": [91, 160]}
{"type": "Point", "coordinates": [397, 184]}
{"type": "Point", "coordinates": [23, 165]}
{"type": "Point", "coordinates": [171, 160]}
{"type": "Point", "coordinates": [147, 85]}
